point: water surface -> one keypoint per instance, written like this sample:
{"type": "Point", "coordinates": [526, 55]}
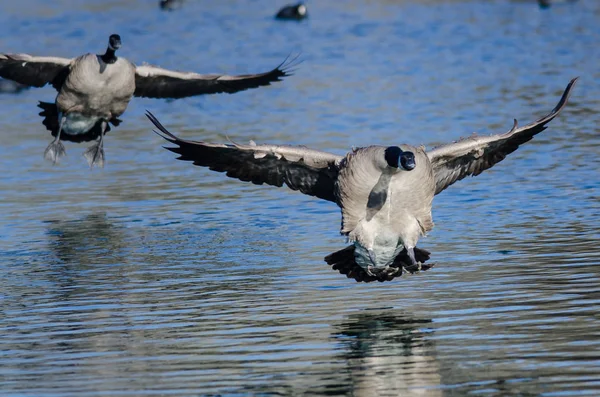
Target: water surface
{"type": "Point", "coordinates": [154, 277]}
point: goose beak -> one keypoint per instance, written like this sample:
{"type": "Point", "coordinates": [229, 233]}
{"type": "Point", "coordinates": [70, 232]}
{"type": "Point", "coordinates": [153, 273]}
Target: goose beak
{"type": "Point", "coordinates": [409, 164]}
{"type": "Point", "coordinates": [407, 161]}
{"type": "Point", "coordinates": [115, 42]}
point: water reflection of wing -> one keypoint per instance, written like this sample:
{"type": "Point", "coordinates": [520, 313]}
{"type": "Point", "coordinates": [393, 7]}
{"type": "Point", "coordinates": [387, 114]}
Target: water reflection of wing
{"type": "Point", "coordinates": [389, 353]}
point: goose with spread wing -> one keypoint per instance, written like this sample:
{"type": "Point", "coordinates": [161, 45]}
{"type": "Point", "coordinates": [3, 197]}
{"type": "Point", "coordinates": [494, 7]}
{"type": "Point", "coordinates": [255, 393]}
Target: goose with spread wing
{"type": "Point", "coordinates": [94, 90]}
{"type": "Point", "coordinates": [385, 193]}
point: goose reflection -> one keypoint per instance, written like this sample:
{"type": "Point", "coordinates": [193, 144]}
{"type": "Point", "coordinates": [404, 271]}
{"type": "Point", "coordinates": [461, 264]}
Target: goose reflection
{"type": "Point", "coordinates": [389, 353]}
{"type": "Point", "coordinates": [93, 239]}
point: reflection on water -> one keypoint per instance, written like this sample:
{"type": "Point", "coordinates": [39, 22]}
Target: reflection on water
{"type": "Point", "coordinates": [86, 241]}
{"type": "Point", "coordinates": [386, 352]}
{"type": "Point", "coordinates": [153, 277]}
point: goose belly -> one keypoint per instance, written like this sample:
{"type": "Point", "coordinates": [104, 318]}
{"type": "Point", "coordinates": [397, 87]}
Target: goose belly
{"type": "Point", "coordinates": [78, 124]}
{"type": "Point", "coordinates": [376, 244]}
{"type": "Point", "coordinates": [380, 255]}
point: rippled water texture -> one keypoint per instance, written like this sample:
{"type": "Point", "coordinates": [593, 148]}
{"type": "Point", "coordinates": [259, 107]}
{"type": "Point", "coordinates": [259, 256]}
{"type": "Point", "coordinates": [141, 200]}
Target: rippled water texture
{"type": "Point", "coordinates": [154, 277]}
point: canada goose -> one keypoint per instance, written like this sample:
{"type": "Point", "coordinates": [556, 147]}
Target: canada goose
{"type": "Point", "coordinates": [385, 193]}
{"type": "Point", "coordinates": [296, 11]}
{"type": "Point", "coordinates": [170, 5]}
{"type": "Point", "coordinates": [94, 90]}
{"type": "Point", "coordinates": [548, 3]}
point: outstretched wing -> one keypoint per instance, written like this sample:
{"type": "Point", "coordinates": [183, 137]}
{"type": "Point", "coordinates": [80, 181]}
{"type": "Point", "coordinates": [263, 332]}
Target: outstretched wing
{"type": "Point", "coordinates": [155, 82]}
{"type": "Point", "coordinates": [473, 155]}
{"type": "Point", "coordinates": [310, 171]}
{"type": "Point", "coordinates": [34, 71]}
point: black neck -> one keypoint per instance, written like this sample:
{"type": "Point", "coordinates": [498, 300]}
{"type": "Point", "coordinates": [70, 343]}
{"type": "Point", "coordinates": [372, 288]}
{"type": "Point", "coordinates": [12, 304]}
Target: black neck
{"type": "Point", "coordinates": [392, 156]}
{"type": "Point", "coordinates": [109, 56]}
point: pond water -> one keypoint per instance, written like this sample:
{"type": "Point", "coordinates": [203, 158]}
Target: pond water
{"type": "Point", "coordinates": [154, 277]}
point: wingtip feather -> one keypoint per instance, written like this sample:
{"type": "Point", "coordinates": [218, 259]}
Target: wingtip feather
{"type": "Point", "coordinates": [164, 133]}
{"type": "Point", "coordinates": [289, 64]}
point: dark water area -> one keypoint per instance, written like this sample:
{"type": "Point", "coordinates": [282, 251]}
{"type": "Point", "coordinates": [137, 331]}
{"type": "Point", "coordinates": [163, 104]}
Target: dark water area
{"type": "Point", "coordinates": [154, 277]}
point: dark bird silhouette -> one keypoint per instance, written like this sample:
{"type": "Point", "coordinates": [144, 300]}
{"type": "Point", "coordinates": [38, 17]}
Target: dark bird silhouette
{"type": "Point", "coordinates": [170, 5]}
{"type": "Point", "coordinates": [294, 12]}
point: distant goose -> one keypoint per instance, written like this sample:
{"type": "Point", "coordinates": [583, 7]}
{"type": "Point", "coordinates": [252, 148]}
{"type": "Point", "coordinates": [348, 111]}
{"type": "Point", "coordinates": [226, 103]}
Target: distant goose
{"type": "Point", "coordinates": [548, 3]}
{"type": "Point", "coordinates": [170, 5]}
{"type": "Point", "coordinates": [94, 90]}
{"type": "Point", "coordinates": [385, 193]}
{"type": "Point", "coordinates": [296, 11]}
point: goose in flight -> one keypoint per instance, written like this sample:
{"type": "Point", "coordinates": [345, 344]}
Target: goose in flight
{"type": "Point", "coordinates": [385, 193]}
{"type": "Point", "coordinates": [94, 90]}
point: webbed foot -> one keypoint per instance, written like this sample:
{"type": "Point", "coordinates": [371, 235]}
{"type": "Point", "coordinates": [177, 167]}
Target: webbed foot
{"type": "Point", "coordinates": [55, 151]}
{"type": "Point", "coordinates": [384, 273]}
{"type": "Point", "coordinates": [95, 155]}
{"type": "Point", "coordinates": [418, 267]}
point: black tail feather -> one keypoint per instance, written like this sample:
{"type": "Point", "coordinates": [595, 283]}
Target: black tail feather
{"type": "Point", "coordinates": [344, 262]}
{"type": "Point", "coordinates": [50, 114]}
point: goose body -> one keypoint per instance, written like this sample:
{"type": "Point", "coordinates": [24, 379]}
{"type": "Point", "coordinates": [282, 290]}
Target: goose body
{"type": "Point", "coordinates": [94, 90]}
{"type": "Point", "coordinates": [385, 193]}
{"type": "Point", "coordinates": [97, 88]}
{"type": "Point", "coordinates": [548, 3]}
{"type": "Point", "coordinates": [378, 203]}
{"type": "Point", "coordinates": [292, 12]}
{"type": "Point", "coordinates": [170, 5]}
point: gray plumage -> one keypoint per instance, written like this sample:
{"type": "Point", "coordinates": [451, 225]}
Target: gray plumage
{"type": "Point", "coordinates": [385, 193]}
{"type": "Point", "coordinates": [94, 90]}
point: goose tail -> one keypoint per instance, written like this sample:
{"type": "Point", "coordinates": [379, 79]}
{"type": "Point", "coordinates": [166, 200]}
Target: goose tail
{"type": "Point", "coordinates": [50, 114]}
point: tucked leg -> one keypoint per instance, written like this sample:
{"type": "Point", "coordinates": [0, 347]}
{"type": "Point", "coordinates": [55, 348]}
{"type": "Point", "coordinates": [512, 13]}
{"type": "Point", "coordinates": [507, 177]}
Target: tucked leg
{"type": "Point", "coordinates": [386, 273]}
{"type": "Point", "coordinates": [414, 265]}
{"type": "Point", "coordinates": [370, 269]}
{"type": "Point", "coordinates": [56, 149]}
{"type": "Point", "coordinates": [95, 153]}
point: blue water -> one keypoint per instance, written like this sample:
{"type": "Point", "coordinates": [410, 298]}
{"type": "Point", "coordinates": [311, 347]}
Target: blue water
{"type": "Point", "coordinates": [154, 277]}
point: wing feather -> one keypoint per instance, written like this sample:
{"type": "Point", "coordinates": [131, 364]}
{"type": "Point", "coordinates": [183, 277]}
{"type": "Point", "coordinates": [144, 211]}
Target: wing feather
{"type": "Point", "coordinates": [311, 172]}
{"type": "Point", "coordinates": [473, 155]}
{"type": "Point", "coordinates": [34, 71]}
{"type": "Point", "coordinates": [155, 82]}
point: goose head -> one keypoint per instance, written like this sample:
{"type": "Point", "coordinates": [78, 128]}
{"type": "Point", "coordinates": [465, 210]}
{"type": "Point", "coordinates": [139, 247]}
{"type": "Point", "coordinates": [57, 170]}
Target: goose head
{"type": "Point", "coordinates": [397, 158]}
{"type": "Point", "coordinates": [114, 42]}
